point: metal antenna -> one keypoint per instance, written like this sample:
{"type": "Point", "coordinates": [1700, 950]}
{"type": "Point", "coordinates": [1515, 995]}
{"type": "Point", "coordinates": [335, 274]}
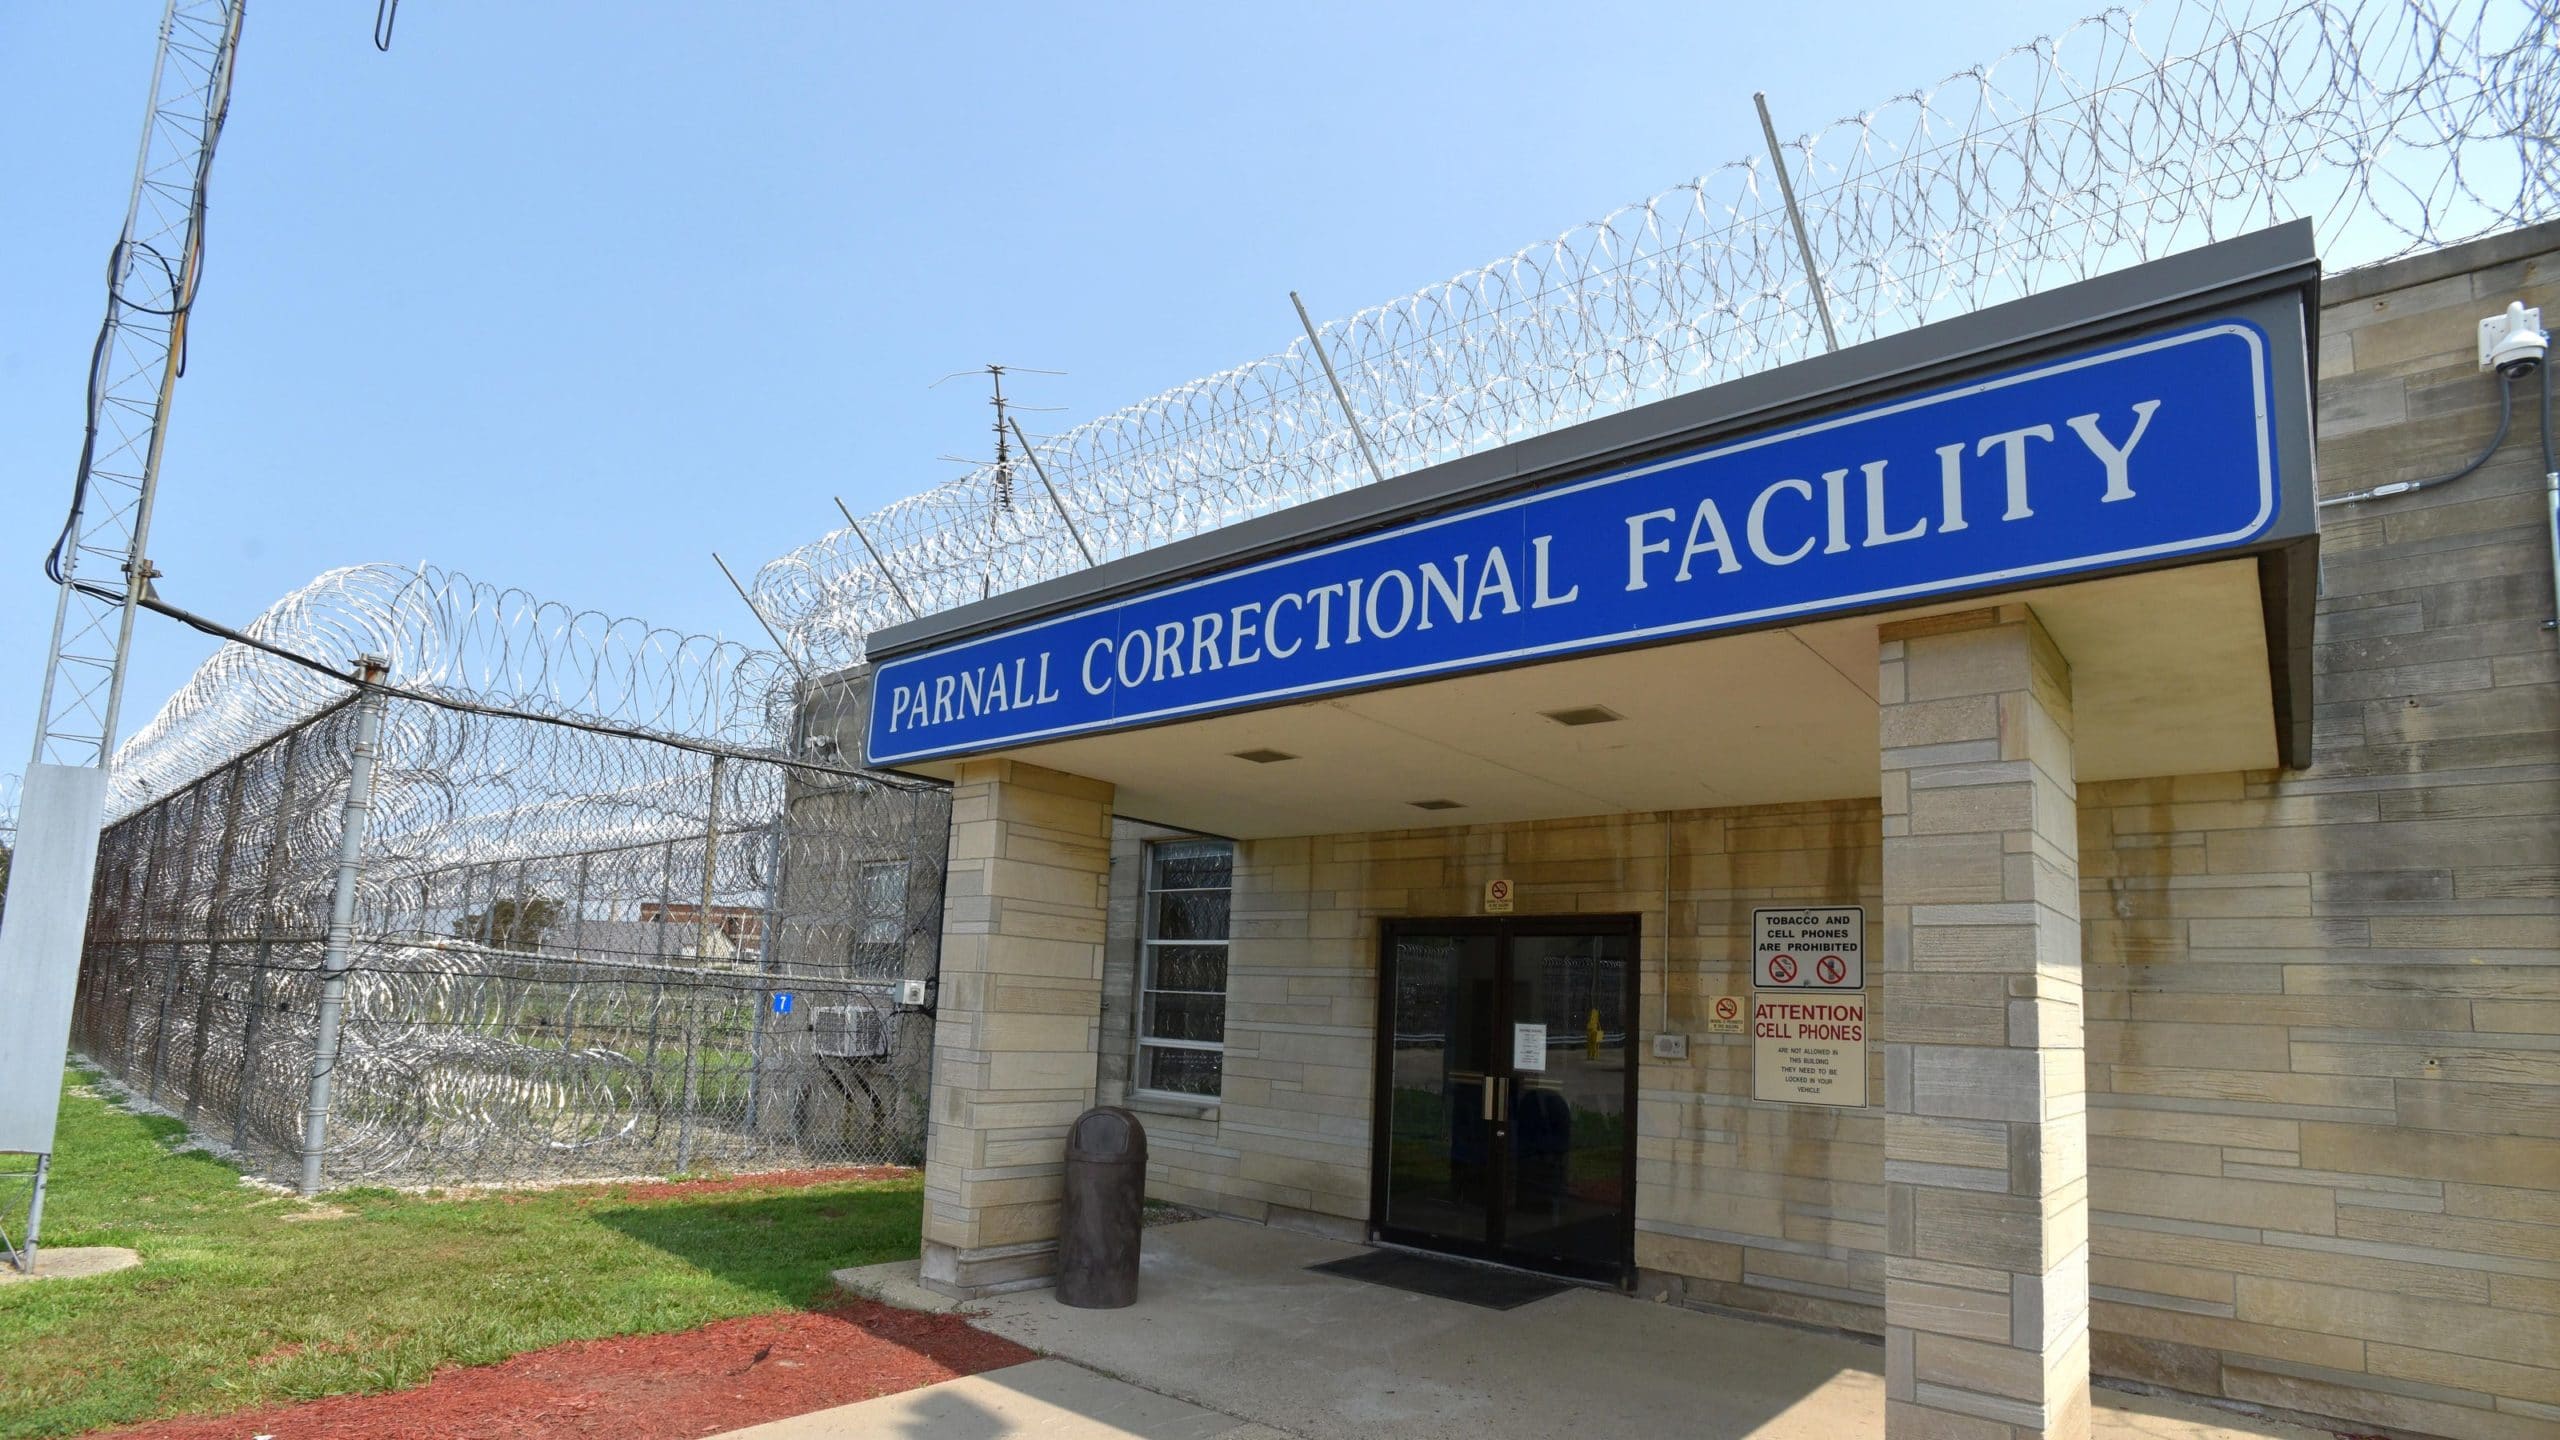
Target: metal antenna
{"type": "Point", "coordinates": [141, 350]}
{"type": "Point", "coordinates": [1004, 454]}
{"type": "Point", "coordinates": [1004, 440]}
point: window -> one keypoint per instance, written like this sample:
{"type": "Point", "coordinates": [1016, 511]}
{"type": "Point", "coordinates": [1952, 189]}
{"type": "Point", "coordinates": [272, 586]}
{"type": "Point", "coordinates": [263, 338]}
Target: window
{"type": "Point", "coordinates": [880, 919]}
{"type": "Point", "coordinates": [1182, 979]}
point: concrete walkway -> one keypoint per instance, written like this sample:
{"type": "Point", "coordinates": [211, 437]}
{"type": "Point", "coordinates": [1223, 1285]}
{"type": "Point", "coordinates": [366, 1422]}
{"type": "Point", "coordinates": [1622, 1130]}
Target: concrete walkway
{"type": "Point", "coordinates": [1232, 1328]}
{"type": "Point", "coordinates": [1049, 1399]}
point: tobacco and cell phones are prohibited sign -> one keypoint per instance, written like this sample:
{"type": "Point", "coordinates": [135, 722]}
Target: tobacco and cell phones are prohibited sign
{"type": "Point", "coordinates": [1820, 947]}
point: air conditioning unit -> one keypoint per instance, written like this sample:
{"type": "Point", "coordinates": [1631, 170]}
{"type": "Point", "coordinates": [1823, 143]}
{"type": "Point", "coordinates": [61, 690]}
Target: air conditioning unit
{"type": "Point", "coordinates": [850, 1032]}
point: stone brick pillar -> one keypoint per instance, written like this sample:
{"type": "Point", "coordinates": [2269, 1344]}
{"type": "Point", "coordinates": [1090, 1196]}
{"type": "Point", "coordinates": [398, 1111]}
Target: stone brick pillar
{"type": "Point", "coordinates": [1015, 1019]}
{"type": "Point", "coordinates": [1986, 1160]}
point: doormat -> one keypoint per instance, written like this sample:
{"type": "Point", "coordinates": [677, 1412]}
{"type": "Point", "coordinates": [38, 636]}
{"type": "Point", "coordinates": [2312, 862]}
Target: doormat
{"type": "Point", "coordinates": [1447, 1279]}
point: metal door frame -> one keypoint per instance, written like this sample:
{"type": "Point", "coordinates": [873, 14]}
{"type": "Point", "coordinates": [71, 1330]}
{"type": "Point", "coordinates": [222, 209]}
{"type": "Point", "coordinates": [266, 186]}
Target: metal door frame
{"type": "Point", "coordinates": [1503, 928]}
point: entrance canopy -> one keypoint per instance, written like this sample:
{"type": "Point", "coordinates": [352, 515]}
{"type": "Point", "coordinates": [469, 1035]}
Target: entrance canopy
{"type": "Point", "coordinates": [1677, 607]}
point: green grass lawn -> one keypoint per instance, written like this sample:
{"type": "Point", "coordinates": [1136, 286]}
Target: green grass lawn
{"type": "Point", "coordinates": [238, 1303]}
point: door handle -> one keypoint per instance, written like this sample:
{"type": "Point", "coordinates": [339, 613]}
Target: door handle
{"type": "Point", "coordinates": [1502, 1100]}
{"type": "Point", "coordinates": [1487, 1087]}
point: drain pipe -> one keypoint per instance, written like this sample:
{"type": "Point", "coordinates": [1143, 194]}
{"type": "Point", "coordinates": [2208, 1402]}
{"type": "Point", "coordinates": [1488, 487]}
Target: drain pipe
{"type": "Point", "coordinates": [2551, 490]}
{"type": "Point", "coordinates": [354, 819]}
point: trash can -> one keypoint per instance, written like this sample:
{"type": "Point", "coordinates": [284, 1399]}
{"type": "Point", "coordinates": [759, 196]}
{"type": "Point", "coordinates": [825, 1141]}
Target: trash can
{"type": "Point", "coordinates": [1105, 1201]}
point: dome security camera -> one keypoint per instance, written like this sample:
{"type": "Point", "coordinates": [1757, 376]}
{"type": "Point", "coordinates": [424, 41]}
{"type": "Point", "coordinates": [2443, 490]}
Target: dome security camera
{"type": "Point", "coordinates": [2514, 342]}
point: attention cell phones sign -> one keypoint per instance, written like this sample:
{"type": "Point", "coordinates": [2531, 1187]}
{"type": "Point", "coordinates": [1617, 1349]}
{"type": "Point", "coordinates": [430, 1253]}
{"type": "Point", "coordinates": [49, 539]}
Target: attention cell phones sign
{"type": "Point", "coordinates": [1809, 1049]}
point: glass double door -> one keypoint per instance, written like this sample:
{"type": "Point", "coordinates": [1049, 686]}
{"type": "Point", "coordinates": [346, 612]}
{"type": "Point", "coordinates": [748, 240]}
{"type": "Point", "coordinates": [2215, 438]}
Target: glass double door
{"type": "Point", "coordinates": [1507, 1091]}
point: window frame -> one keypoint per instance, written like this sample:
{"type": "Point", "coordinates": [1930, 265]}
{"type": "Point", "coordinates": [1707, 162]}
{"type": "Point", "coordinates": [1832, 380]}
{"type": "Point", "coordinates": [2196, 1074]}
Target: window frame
{"type": "Point", "coordinates": [1148, 944]}
{"type": "Point", "coordinates": [870, 958]}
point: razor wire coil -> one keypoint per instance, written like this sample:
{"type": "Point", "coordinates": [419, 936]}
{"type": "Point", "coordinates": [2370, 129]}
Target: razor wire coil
{"type": "Point", "coordinates": [2396, 125]}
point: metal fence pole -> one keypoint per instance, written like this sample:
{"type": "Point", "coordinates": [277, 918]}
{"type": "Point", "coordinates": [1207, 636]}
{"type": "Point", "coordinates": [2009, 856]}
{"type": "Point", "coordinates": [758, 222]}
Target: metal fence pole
{"type": "Point", "coordinates": [35, 1212]}
{"type": "Point", "coordinates": [768, 929]}
{"type": "Point", "coordinates": [577, 955]}
{"type": "Point", "coordinates": [701, 966]}
{"type": "Point", "coordinates": [352, 821]}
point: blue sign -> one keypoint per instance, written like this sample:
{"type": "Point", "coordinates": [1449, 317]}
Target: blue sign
{"type": "Point", "coordinates": [781, 1002]}
{"type": "Point", "coordinates": [2116, 457]}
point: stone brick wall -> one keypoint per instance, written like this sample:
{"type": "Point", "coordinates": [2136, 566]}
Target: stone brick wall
{"type": "Point", "coordinates": [2323, 1007]}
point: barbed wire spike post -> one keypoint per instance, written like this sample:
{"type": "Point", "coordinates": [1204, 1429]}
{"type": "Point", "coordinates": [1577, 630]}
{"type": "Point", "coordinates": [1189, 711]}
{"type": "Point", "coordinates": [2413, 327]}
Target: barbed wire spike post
{"type": "Point", "coordinates": [780, 645]}
{"type": "Point", "coordinates": [1033, 455]}
{"type": "Point", "coordinates": [354, 818]}
{"type": "Point", "coordinates": [1350, 416]}
{"type": "Point", "coordinates": [1795, 216]}
{"type": "Point", "coordinates": [703, 931]}
{"type": "Point", "coordinates": [885, 572]}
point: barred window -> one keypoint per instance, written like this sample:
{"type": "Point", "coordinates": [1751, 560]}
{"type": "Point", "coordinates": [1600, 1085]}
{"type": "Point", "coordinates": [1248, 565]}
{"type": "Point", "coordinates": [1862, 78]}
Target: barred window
{"type": "Point", "coordinates": [1182, 982]}
{"type": "Point", "coordinates": [880, 926]}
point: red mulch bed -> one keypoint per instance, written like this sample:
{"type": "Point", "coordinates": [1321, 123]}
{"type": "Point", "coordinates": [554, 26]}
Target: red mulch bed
{"type": "Point", "coordinates": [770, 1180]}
{"type": "Point", "coordinates": [644, 1387]}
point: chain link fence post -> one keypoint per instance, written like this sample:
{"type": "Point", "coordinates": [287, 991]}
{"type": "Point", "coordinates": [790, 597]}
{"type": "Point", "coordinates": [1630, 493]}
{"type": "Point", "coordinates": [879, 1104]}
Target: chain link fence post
{"type": "Point", "coordinates": [352, 822]}
{"type": "Point", "coordinates": [702, 967]}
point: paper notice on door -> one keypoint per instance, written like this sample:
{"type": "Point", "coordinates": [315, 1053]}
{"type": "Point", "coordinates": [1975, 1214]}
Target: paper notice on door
{"type": "Point", "coordinates": [1528, 1047]}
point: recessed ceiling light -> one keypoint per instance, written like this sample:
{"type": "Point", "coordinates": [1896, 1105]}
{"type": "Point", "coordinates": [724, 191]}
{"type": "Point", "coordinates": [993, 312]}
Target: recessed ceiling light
{"type": "Point", "coordinates": [1264, 757]}
{"type": "Point", "coordinates": [1584, 715]}
{"type": "Point", "coordinates": [1434, 804]}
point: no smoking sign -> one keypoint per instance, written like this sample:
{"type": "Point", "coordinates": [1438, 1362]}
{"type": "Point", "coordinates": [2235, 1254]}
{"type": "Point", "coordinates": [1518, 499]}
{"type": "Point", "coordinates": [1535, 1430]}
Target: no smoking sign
{"type": "Point", "coordinates": [1726, 1013]}
{"type": "Point", "coordinates": [1811, 948]}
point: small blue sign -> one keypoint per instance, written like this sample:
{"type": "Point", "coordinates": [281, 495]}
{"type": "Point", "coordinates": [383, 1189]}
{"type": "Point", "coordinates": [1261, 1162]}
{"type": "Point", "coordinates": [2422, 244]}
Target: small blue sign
{"type": "Point", "coordinates": [782, 1002]}
{"type": "Point", "coordinates": [2115, 457]}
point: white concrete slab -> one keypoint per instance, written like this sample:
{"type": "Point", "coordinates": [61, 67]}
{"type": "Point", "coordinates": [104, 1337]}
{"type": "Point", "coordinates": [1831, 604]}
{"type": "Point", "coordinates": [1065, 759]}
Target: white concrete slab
{"type": "Point", "coordinates": [1040, 1400]}
{"type": "Point", "coordinates": [1230, 1319]}
{"type": "Point", "coordinates": [73, 1262]}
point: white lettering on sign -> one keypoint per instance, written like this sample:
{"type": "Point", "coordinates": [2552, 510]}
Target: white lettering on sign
{"type": "Point", "coordinates": [1809, 1049]}
{"type": "Point", "coordinates": [1465, 587]}
{"type": "Point", "coordinates": [1813, 948]}
{"type": "Point", "coordinates": [1528, 1047]}
{"type": "Point", "coordinates": [2082, 462]}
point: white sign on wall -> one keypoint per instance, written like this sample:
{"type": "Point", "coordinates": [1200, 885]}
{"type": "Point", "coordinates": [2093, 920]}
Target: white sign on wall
{"type": "Point", "coordinates": [1809, 1049]}
{"type": "Point", "coordinates": [1528, 1047]}
{"type": "Point", "coordinates": [1725, 1011]}
{"type": "Point", "coordinates": [1814, 947]}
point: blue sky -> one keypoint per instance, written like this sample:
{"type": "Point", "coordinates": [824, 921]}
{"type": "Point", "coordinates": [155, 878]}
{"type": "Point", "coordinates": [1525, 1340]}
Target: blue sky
{"type": "Point", "coordinates": [568, 296]}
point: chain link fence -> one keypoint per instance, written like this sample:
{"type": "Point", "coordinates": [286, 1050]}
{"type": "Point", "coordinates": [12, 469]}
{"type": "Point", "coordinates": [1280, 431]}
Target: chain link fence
{"type": "Point", "coordinates": [574, 954]}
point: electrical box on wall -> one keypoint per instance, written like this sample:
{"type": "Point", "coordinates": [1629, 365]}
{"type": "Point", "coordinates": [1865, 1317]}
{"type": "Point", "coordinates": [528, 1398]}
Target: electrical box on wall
{"type": "Point", "coordinates": [911, 992]}
{"type": "Point", "coordinates": [1670, 1047]}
